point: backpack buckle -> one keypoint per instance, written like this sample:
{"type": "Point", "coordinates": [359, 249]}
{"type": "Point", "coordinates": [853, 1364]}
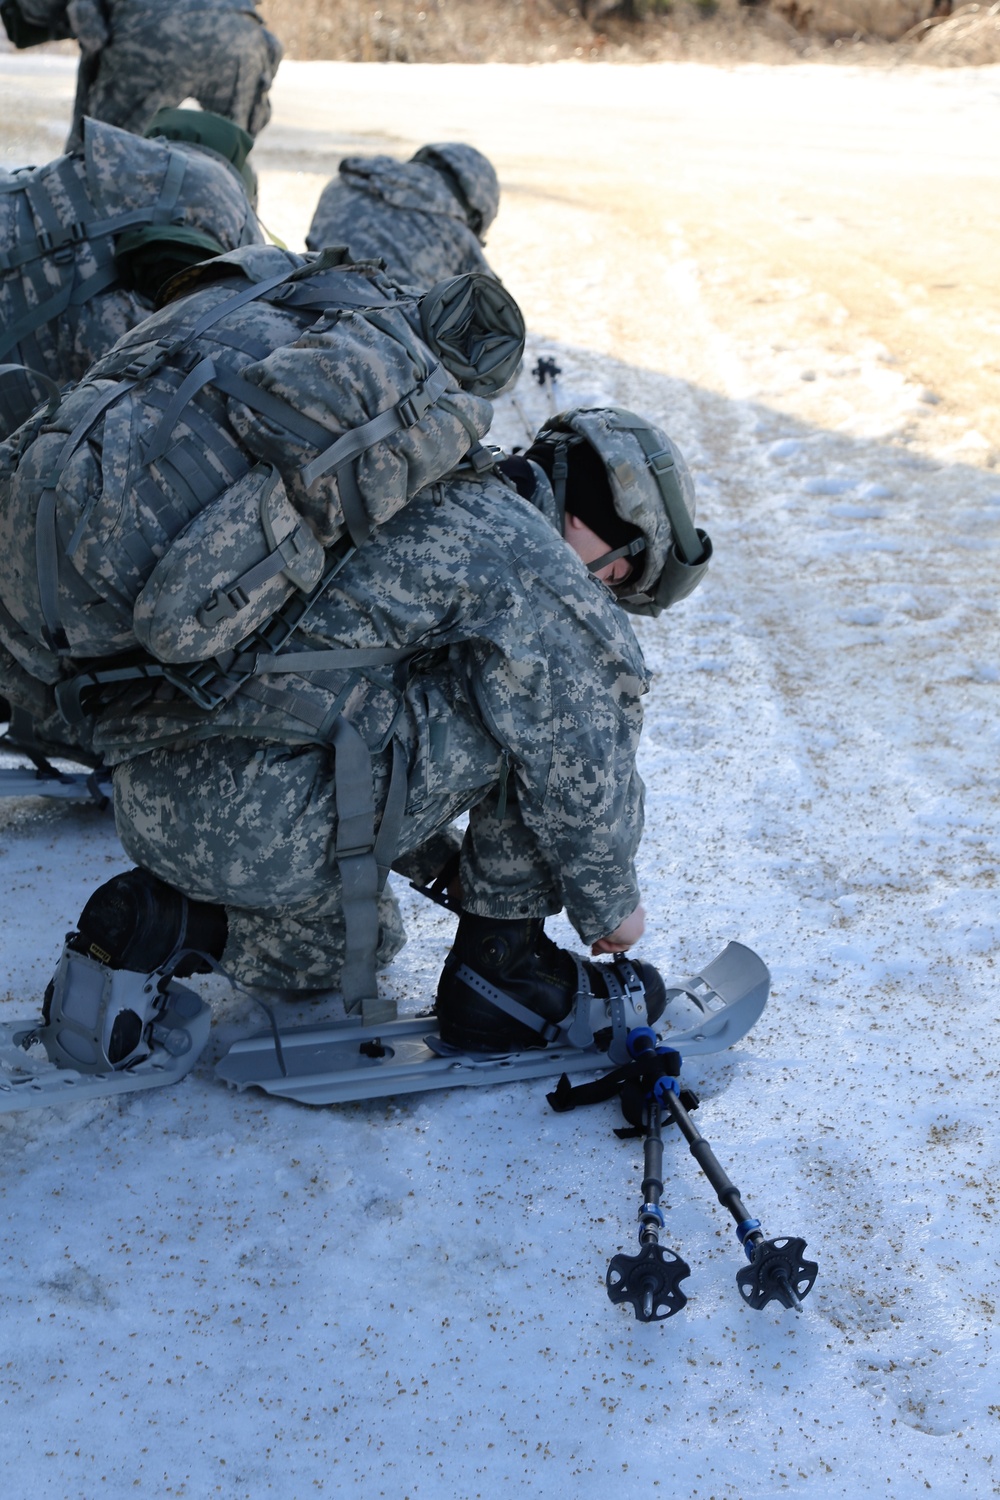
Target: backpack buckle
{"type": "Point", "coordinates": [223, 606]}
{"type": "Point", "coordinates": [662, 461]}
{"type": "Point", "coordinates": [407, 412]}
{"type": "Point", "coordinates": [145, 363]}
{"type": "Point", "coordinates": [411, 409]}
{"type": "Point", "coordinates": [148, 361]}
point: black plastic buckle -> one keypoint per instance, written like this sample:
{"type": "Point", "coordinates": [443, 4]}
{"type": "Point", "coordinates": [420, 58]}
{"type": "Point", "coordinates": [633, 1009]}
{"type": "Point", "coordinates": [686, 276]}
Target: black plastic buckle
{"type": "Point", "coordinates": [406, 411]}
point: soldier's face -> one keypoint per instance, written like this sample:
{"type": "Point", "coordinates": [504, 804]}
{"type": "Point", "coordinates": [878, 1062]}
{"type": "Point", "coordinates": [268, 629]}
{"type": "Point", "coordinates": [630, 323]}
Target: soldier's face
{"type": "Point", "coordinates": [588, 547]}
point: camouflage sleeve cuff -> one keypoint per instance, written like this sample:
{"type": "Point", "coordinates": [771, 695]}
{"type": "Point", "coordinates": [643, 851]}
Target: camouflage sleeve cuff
{"type": "Point", "coordinates": [592, 926]}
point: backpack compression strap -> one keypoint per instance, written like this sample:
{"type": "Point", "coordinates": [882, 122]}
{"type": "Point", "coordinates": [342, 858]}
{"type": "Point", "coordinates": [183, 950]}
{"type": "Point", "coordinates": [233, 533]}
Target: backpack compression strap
{"type": "Point", "coordinates": [44, 237]}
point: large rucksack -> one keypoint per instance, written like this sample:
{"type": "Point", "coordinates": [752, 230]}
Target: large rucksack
{"type": "Point", "coordinates": [199, 489]}
{"type": "Point", "coordinates": [63, 298]}
{"type": "Point", "coordinates": [417, 216]}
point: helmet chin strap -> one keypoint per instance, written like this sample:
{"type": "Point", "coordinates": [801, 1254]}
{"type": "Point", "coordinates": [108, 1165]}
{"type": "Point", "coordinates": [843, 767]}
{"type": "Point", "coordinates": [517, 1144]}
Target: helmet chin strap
{"type": "Point", "coordinates": [631, 549]}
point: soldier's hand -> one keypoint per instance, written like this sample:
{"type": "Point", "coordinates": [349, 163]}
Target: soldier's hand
{"type": "Point", "coordinates": [625, 934]}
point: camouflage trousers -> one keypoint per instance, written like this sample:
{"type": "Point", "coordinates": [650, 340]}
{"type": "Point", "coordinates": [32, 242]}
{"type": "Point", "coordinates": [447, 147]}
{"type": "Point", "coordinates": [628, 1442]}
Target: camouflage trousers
{"type": "Point", "coordinates": [252, 826]}
{"type": "Point", "coordinates": [160, 55]}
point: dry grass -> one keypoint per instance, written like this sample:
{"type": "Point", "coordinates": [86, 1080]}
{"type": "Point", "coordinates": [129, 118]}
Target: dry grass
{"type": "Point", "coordinates": [524, 31]}
{"type": "Point", "coordinates": [716, 31]}
{"type": "Point", "coordinates": [727, 31]}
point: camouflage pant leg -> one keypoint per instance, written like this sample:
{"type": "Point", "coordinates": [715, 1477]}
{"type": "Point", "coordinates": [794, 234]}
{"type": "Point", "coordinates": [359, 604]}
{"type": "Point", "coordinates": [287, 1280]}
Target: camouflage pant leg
{"type": "Point", "coordinates": [312, 944]}
{"type": "Point", "coordinates": [252, 826]}
{"type": "Point", "coordinates": [225, 60]}
{"type": "Point", "coordinates": [240, 89]}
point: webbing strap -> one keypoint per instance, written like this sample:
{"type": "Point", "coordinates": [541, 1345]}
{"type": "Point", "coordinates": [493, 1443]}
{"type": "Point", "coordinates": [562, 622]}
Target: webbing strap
{"type": "Point", "coordinates": [354, 852]}
{"type": "Point", "coordinates": [510, 1007]}
{"type": "Point", "coordinates": [86, 422]}
{"type": "Point", "coordinates": [393, 814]}
{"type": "Point", "coordinates": [266, 404]}
{"type": "Point", "coordinates": [336, 659]}
{"type": "Point", "coordinates": [38, 246]}
{"type": "Point", "coordinates": [203, 372]}
{"type": "Point", "coordinates": [322, 291]}
{"type": "Point", "coordinates": [173, 181]}
{"type": "Point", "coordinates": [56, 241]}
{"type": "Point", "coordinates": [664, 470]}
{"type": "Point", "coordinates": [54, 233]}
{"type": "Point", "coordinates": [232, 304]}
{"type": "Point", "coordinates": [52, 308]}
{"type": "Point", "coordinates": [630, 549]}
{"type": "Point", "coordinates": [355, 516]}
{"type": "Point", "coordinates": [94, 285]}
{"type": "Point", "coordinates": [405, 413]}
{"type": "Point", "coordinates": [17, 377]}
{"type": "Point", "coordinates": [47, 570]}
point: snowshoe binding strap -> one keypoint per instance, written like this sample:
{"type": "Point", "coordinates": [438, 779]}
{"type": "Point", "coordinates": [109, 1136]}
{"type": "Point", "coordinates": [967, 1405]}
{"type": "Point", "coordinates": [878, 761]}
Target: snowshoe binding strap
{"type": "Point", "coordinates": [590, 1016]}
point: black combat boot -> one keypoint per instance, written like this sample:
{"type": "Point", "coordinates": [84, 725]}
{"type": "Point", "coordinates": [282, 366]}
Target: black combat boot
{"type": "Point", "coordinates": [136, 921]}
{"type": "Point", "coordinates": [519, 961]}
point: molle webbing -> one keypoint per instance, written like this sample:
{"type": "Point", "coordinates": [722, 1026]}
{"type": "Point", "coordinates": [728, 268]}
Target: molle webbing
{"type": "Point", "coordinates": [44, 240]}
{"type": "Point", "coordinates": [133, 368]}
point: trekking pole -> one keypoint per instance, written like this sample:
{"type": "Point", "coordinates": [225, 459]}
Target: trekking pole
{"type": "Point", "coordinates": [777, 1268]}
{"type": "Point", "coordinates": [650, 1280]}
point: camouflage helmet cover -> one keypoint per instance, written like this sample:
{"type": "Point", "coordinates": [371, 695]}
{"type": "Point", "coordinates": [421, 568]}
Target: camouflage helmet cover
{"type": "Point", "coordinates": [472, 178]}
{"type": "Point", "coordinates": [648, 478]}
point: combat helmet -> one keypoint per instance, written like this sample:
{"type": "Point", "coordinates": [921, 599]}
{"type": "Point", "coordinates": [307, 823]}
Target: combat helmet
{"type": "Point", "coordinates": [470, 176]}
{"type": "Point", "coordinates": [651, 492]}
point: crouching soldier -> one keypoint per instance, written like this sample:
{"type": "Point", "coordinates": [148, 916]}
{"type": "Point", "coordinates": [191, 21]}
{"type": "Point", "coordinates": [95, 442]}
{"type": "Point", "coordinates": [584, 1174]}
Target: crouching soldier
{"type": "Point", "coordinates": [304, 678]}
{"type": "Point", "coordinates": [426, 218]}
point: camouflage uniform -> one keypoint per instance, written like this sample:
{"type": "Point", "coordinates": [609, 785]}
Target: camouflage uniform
{"type": "Point", "coordinates": [62, 302]}
{"type": "Point", "coordinates": [523, 708]}
{"type": "Point", "coordinates": [512, 685]}
{"type": "Point", "coordinates": [425, 218]}
{"type": "Point", "coordinates": [141, 55]}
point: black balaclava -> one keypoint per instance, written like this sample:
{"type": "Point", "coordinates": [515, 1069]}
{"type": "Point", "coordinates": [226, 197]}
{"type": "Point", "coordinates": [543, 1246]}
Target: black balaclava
{"type": "Point", "coordinates": [588, 492]}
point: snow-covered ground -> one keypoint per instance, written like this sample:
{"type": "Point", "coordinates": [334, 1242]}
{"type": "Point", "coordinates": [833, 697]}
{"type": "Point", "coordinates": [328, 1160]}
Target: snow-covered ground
{"type": "Point", "coordinates": [209, 1293]}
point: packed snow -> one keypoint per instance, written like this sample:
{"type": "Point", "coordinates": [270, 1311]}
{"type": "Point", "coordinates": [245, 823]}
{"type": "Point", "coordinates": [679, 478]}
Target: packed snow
{"type": "Point", "coordinates": [212, 1293]}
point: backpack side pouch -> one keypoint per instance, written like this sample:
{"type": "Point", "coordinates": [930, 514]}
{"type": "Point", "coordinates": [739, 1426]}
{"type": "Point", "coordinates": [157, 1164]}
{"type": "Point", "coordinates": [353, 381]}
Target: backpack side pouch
{"type": "Point", "coordinates": [228, 572]}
